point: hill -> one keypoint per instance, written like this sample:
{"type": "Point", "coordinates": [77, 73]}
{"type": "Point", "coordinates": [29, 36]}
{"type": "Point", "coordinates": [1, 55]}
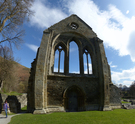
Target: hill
{"type": "Point", "coordinates": [22, 74]}
{"type": "Point", "coordinates": [15, 78]}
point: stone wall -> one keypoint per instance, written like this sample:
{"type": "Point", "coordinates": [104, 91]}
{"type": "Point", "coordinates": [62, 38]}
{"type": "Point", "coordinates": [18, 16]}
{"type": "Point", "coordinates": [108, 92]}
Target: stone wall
{"type": "Point", "coordinates": [15, 102]}
{"type": "Point", "coordinates": [55, 91]}
{"type": "Point", "coordinates": [22, 99]}
{"type": "Point", "coordinates": [115, 99]}
{"type": "Point", "coordinates": [57, 86]}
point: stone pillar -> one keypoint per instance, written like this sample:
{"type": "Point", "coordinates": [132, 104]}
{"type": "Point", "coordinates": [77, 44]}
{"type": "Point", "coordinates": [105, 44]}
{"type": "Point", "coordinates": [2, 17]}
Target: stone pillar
{"type": "Point", "coordinates": [104, 78]}
{"type": "Point", "coordinates": [81, 61]}
{"type": "Point", "coordinates": [40, 90]}
{"type": "Point", "coordinates": [67, 60]}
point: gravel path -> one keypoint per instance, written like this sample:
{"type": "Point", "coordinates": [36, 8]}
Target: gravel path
{"type": "Point", "coordinates": [4, 120]}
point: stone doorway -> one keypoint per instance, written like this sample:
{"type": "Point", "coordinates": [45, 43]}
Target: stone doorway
{"type": "Point", "coordinates": [74, 99]}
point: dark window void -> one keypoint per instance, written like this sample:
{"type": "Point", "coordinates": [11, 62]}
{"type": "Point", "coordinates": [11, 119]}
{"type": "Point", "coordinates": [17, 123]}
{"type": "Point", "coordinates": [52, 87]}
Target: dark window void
{"type": "Point", "coordinates": [87, 63]}
{"type": "Point", "coordinates": [73, 58]}
{"type": "Point", "coordinates": [59, 60]}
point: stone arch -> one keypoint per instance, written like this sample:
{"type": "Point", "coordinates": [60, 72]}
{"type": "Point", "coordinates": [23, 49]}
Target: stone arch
{"type": "Point", "coordinates": [76, 40]}
{"type": "Point", "coordinates": [61, 43]}
{"type": "Point", "coordinates": [64, 48]}
{"type": "Point", "coordinates": [93, 59]}
{"type": "Point", "coordinates": [79, 44]}
{"type": "Point", "coordinates": [90, 50]}
{"type": "Point", "coordinates": [73, 36]}
{"type": "Point", "coordinates": [74, 57]}
{"type": "Point", "coordinates": [74, 99]}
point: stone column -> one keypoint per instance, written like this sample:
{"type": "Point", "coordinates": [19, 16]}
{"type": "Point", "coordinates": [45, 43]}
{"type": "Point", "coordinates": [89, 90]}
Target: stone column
{"type": "Point", "coordinates": [40, 90]}
{"type": "Point", "coordinates": [81, 61]}
{"type": "Point", "coordinates": [66, 66]}
{"type": "Point", "coordinates": [104, 77]}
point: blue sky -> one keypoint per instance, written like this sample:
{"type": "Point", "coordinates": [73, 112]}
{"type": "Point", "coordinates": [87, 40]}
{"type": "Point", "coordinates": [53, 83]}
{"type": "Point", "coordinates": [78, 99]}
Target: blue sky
{"type": "Point", "coordinates": [112, 20]}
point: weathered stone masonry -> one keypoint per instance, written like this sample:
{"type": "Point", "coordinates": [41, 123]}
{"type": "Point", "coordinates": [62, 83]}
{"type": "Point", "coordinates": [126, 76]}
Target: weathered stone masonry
{"type": "Point", "coordinates": [57, 91]}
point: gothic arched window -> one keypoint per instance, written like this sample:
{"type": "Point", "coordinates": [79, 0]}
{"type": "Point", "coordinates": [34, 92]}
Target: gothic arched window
{"type": "Point", "coordinates": [87, 62]}
{"type": "Point", "coordinates": [73, 58]}
{"type": "Point", "coordinates": [59, 60]}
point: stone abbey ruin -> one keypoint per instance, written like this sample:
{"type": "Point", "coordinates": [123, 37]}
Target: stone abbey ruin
{"type": "Point", "coordinates": [50, 91]}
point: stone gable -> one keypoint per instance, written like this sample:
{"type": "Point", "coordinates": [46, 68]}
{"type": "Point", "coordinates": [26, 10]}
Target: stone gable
{"type": "Point", "coordinates": [51, 91]}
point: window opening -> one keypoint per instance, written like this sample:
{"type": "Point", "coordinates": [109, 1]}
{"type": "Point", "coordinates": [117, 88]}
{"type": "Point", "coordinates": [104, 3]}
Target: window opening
{"type": "Point", "coordinates": [62, 62]}
{"type": "Point", "coordinates": [74, 26]}
{"type": "Point", "coordinates": [56, 61]}
{"type": "Point", "coordinates": [90, 64]}
{"type": "Point", "coordinates": [87, 63]}
{"type": "Point", "coordinates": [73, 58]}
{"type": "Point", "coordinates": [59, 60]}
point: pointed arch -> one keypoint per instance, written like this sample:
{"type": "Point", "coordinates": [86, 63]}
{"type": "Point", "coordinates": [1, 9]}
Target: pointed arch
{"type": "Point", "coordinates": [56, 61]}
{"type": "Point", "coordinates": [74, 99]}
{"type": "Point", "coordinates": [74, 62]}
{"type": "Point", "coordinates": [59, 58]}
{"type": "Point", "coordinates": [87, 61]}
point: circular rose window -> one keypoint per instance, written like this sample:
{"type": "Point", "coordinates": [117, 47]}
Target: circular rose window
{"type": "Point", "coordinates": [73, 25]}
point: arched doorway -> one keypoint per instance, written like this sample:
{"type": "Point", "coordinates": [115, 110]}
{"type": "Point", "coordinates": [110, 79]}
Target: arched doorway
{"type": "Point", "coordinates": [74, 99]}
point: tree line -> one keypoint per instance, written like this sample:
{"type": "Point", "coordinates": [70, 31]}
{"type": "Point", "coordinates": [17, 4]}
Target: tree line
{"type": "Point", "coordinates": [127, 92]}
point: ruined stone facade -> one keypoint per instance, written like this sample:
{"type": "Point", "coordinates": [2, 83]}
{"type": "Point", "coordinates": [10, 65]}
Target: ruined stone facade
{"type": "Point", "coordinates": [50, 91]}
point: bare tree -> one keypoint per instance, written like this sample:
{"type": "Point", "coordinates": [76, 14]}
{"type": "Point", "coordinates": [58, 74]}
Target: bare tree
{"type": "Point", "coordinates": [6, 64]}
{"type": "Point", "coordinates": [12, 15]}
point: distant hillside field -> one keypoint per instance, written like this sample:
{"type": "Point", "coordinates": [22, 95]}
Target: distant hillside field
{"type": "Point", "coordinates": [16, 79]}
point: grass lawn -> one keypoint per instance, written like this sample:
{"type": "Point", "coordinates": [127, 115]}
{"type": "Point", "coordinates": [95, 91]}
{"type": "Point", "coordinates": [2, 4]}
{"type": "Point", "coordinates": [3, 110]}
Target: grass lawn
{"type": "Point", "coordinates": [125, 102]}
{"type": "Point", "coordinates": [24, 108]}
{"type": "Point", "coordinates": [119, 116]}
{"type": "Point", "coordinates": [12, 93]}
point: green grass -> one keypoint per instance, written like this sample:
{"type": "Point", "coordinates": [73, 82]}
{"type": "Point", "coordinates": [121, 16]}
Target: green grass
{"type": "Point", "coordinates": [125, 102]}
{"type": "Point", "coordinates": [13, 93]}
{"type": "Point", "coordinates": [119, 116]}
{"type": "Point", "coordinates": [24, 108]}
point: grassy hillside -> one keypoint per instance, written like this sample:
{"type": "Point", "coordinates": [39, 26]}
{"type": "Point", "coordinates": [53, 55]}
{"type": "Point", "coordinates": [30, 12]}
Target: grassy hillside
{"type": "Point", "coordinates": [22, 74]}
{"type": "Point", "coordinates": [16, 78]}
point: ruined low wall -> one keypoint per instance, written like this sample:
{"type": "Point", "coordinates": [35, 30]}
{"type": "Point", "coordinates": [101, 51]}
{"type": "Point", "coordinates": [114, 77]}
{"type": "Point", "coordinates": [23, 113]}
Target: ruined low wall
{"type": "Point", "coordinates": [115, 99]}
{"type": "Point", "coordinates": [15, 102]}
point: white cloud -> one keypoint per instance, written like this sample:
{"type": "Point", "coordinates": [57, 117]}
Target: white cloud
{"type": "Point", "coordinates": [90, 68]}
{"type": "Point", "coordinates": [126, 75]}
{"type": "Point", "coordinates": [127, 83]}
{"type": "Point", "coordinates": [131, 45]}
{"type": "Point", "coordinates": [111, 25]}
{"type": "Point", "coordinates": [112, 66]}
{"type": "Point", "coordinates": [56, 70]}
{"type": "Point", "coordinates": [32, 47]}
{"type": "Point", "coordinates": [44, 15]}
{"type": "Point", "coordinates": [127, 11]}
{"type": "Point", "coordinates": [76, 72]}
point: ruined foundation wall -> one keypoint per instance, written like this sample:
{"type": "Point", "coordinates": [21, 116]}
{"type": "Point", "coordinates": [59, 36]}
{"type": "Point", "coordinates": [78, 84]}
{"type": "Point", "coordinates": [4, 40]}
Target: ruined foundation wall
{"type": "Point", "coordinates": [115, 99]}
